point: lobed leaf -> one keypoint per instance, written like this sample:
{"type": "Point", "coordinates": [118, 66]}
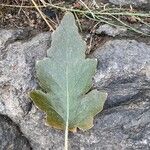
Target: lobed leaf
{"type": "Point", "coordinates": [65, 77]}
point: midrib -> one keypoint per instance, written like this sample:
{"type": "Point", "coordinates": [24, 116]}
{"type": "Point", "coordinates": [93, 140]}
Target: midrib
{"type": "Point", "coordinates": [67, 93]}
{"type": "Point", "coordinates": [67, 108]}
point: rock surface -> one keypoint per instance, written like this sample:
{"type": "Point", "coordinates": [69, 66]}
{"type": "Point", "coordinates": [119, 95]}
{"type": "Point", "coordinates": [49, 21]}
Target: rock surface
{"type": "Point", "coordinates": [121, 31]}
{"type": "Point", "coordinates": [10, 136]}
{"type": "Point", "coordinates": [129, 2]}
{"type": "Point", "coordinates": [126, 127]}
{"type": "Point", "coordinates": [123, 71]}
{"type": "Point", "coordinates": [140, 4]}
{"type": "Point", "coordinates": [111, 31]}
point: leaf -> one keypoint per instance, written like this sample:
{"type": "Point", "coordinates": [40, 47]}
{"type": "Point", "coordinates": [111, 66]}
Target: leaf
{"type": "Point", "coordinates": [65, 77]}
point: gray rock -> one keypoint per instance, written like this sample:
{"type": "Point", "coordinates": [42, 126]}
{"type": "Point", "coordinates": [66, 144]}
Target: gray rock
{"type": "Point", "coordinates": [129, 2]}
{"type": "Point", "coordinates": [121, 31]}
{"type": "Point", "coordinates": [10, 136]}
{"type": "Point", "coordinates": [17, 77]}
{"type": "Point", "coordinates": [140, 4]}
{"type": "Point", "coordinates": [117, 128]}
{"type": "Point", "coordinates": [111, 31]}
{"type": "Point", "coordinates": [123, 67]}
{"type": "Point", "coordinates": [10, 36]}
{"type": "Point", "coordinates": [148, 72]}
{"type": "Point", "coordinates": [145, 29]}
{"type": "Point", "coordinates": [126, 127]}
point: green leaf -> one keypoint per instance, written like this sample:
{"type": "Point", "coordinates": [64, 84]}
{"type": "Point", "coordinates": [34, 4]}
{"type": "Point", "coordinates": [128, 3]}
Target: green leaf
{"type": "Point", "coordinates": [65, 77]}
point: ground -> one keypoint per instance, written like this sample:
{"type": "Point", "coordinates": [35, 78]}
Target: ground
{"type": "Point", "coordinates": [123, 70]}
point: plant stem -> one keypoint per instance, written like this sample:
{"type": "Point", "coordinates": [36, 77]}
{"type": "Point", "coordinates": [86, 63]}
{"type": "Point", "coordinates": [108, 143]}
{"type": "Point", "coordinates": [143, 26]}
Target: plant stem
{"type": "Point", "coordinates": [102, 12]}
{"type": "Point", "coordinates": [66, 137]}
{"type": "Point", "coordinates": [42, 15]}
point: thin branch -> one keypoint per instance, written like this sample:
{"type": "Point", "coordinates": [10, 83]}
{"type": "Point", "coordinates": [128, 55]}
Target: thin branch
{"type": "Point", "coordinates": [42, 15]}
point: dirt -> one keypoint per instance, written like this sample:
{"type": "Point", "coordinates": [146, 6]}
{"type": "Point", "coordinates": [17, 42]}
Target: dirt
{"type": "Point", "coordinates": [15, 17]}
{"type": "Point", "coordinates": [12, 16]}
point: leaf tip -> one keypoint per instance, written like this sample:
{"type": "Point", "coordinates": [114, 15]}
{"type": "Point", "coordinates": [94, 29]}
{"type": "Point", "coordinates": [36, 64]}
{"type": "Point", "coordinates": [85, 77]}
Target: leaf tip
{"type": "Point", "coordinates": [69, 15]}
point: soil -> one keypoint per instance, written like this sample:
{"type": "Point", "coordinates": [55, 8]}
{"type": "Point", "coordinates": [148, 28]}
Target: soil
{"type": "Point", "coordinates": [30, 19]}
